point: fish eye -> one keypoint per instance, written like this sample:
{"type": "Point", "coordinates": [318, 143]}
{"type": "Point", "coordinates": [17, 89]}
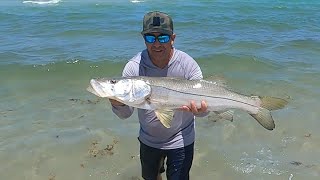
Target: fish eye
{"type": "Point", "coordinates": [112, 81]}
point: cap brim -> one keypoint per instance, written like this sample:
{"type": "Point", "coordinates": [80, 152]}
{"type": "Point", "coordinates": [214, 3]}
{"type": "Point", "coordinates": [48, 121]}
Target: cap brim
{"type": "Point", "coordinates": [157, 30]}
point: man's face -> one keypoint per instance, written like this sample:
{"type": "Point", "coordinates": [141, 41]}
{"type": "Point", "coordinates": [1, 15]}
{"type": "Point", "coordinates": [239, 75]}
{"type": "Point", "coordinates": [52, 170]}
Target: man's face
{"type": "Point", "coordinates": [160, 48]}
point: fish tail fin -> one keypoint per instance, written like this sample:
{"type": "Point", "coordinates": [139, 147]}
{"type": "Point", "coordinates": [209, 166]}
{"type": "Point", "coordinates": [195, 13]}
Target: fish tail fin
{"type": "Point", "coordinates": [272, 103]}
{"type": "Point", "coordinates": [264, 118]}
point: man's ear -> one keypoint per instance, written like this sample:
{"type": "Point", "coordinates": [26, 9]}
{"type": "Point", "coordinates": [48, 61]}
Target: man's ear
{"type": "Point", "coordinates": [173, 36]}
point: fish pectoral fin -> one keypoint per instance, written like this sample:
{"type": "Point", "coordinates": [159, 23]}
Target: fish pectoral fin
{"type": "Point", "coordinates": [264, 118]}
{"type": "Point", "coordinates": [272, 103]}
{"type": "Point", "coordinates": [165, 117]}
{"type": "Point", "coordinates": [226, 115]}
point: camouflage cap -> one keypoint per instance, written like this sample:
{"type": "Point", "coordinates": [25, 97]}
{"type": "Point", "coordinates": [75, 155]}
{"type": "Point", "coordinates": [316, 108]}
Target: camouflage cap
{"type": "Point", "coordinates": [157, 22]}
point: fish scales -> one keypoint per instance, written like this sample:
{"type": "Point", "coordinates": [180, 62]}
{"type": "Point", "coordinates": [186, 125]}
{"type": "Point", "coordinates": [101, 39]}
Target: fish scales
{"type": "Point", "coordinates": [181, 92]}
{"type": "Point", "coordinates": [167, 94]}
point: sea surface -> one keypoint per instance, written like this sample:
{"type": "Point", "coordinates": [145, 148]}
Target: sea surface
{"type": "Point", "coordinates": [52, 128]}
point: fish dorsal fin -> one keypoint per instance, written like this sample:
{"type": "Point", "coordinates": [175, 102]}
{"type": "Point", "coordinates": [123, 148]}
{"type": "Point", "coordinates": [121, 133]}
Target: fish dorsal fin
{"type": "Point", "coordinates": [272, 103]}
{"type": "Point", "coordinates": [218, 80]}
{"type": "Point", "coordinates": [165, 117]}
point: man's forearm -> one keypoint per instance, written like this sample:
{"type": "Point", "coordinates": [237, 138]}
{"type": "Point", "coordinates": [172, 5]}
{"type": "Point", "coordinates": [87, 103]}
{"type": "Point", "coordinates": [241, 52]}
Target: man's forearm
{"type": "Point", "coordinates": [122, 111]}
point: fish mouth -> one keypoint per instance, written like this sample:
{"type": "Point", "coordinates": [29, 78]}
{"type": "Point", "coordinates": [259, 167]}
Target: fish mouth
{"type": "Point", "coordinates": [90, 89]}
{"type": "Point", "coordinates": [100, 90]}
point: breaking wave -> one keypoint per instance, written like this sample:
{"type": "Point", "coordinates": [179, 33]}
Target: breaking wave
{"type": "Point", "coordinates": [42, 2]}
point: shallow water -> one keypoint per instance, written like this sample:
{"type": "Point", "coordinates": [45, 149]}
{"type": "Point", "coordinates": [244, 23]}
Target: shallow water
{"type": "Point", "coordinates": [52, 128]}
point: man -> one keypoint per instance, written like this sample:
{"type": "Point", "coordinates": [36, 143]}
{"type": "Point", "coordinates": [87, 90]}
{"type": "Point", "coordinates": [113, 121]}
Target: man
{"type": "Point", "coordinates": [157, 142]}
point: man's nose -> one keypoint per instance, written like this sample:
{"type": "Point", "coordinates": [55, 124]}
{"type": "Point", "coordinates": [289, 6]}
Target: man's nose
{"type": "Point", "coordinates": [157, 43]}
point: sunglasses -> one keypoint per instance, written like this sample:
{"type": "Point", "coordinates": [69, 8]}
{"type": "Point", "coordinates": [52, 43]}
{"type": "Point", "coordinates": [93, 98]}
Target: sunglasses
{"type": "Point", "coordinates": [163, 38]}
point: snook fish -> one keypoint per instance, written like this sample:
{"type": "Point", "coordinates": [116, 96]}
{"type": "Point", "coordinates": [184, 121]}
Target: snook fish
{"type": "Point", "coordinates": [166, 94]}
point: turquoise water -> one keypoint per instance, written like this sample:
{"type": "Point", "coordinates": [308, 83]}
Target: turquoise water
{"type": "Point", "coordinates": [51, 127]}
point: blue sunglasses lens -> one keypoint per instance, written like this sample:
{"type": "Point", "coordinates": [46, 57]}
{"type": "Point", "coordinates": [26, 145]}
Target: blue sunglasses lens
{"type": "Point", "coordinates": [161, 38]}
{"type": "Point", "coordinates": [149, 38]}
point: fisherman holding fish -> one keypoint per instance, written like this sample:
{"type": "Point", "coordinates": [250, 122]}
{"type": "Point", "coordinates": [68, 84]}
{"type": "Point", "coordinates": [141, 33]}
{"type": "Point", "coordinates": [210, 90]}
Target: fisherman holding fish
{"type": "Point", "coordinates": [157, 142]}
{"type": "Point", "coordinates": [166, 86]}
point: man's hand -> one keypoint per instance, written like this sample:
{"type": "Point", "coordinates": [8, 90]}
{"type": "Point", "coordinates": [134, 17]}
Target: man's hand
{"type": "Point", "coordinates": [193, 108]}
{"type": "Point", "coordinates": [116, 103]}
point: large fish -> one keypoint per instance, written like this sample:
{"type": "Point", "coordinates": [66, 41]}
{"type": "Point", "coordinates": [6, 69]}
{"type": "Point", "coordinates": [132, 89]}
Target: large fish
{"type": "Point", "coordinates": [166, 94]}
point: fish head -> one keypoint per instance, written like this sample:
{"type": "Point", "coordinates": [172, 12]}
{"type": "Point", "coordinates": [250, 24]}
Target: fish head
{"type": "Point", "coordinates": [126, 90]}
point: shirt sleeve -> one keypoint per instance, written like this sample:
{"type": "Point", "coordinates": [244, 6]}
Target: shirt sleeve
{"type": "Point", "coordinates": [123, 112]}
{"type": "Point", "coordinates": [194, 71]}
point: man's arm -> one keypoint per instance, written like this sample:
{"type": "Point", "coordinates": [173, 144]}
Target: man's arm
{"type": "Point", "coordinates": [121, 110]}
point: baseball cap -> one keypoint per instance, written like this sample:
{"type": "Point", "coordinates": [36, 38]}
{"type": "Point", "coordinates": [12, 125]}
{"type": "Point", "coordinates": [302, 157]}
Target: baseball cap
{"type": "Point", "coordinates": [157, 21]}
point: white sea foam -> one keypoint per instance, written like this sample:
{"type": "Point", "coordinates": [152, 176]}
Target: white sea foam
{"type": "Point", "coordinates": [43, 2]}
{"type": "Point", "coordinates": [136, 1]}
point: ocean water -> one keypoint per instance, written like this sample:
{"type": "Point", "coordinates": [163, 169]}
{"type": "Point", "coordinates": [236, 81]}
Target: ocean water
{"type": "Point", "coordinates": [52, 128]}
